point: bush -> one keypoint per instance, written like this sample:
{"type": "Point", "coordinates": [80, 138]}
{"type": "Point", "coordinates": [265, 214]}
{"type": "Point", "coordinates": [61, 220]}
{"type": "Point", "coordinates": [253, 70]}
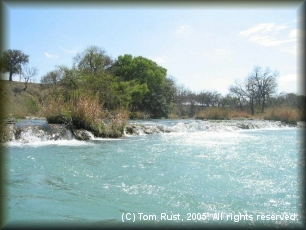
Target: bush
{"type": "Point", "coordinates": [85, 111]}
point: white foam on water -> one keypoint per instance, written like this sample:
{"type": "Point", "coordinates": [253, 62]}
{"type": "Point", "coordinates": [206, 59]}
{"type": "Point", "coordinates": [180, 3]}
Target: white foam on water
{"type": "Point", "coordinates": [35, 137]}
{"type": "Point", "coordinates": [40, 143]}
{"type": "Point", "coordinates": [93, 138]}
{"type": "Point", "coordinates": [190, 126]}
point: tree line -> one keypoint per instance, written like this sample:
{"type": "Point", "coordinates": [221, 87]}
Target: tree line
{"type": "Point", "coordinates": [141, 86]}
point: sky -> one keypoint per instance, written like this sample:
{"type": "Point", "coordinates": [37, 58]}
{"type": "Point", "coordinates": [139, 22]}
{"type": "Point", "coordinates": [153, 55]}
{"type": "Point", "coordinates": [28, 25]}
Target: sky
{"type": "Point", "coordinates": [203, 47]}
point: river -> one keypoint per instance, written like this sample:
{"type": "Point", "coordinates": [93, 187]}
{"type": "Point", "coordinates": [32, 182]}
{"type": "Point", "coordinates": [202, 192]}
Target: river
{"type": "Point", "coordinates": [200, 173]}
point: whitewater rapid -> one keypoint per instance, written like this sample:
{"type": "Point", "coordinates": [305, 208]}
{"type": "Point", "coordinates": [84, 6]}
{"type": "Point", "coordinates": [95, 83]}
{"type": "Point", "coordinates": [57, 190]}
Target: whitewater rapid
{"type": "Point", "coordinates": [39, 132]}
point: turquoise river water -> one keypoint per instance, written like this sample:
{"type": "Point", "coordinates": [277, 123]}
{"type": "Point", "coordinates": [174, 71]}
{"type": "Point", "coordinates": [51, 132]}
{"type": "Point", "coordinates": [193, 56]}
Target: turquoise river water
{"type": "Point", "coordinates": [191, 177]}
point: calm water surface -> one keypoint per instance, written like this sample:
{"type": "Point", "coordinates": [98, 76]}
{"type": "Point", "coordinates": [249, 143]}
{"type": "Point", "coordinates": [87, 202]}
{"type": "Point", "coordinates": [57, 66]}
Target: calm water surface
{"type": "Point", "coordinates": [198, 177]}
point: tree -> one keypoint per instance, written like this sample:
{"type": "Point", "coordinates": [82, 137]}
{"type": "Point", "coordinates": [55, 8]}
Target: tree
{"type": "Point", "coordinates": [12, 61]}
{"type": "Point", "coordinates": [265, 81]}
{"type": "Point", "coordinates": [161, 101]}
{"type": "Point", "coordinates": [28, 74]}
{"type": "Point", "coordinates": [51, 78]}
{"type": "Point", "coordinates": [69, 82]}
{"type": "Point", "coordinates": [92, 60]}
{"type": "Point", "coordinates": [145, 71]}
{"type": "Point", "coordinates": [245, 91]}
{"type": "Point", "coordinates": [207, 98]}
{"type": "Point", "coordinates": [104, 85]}
{"type": "Point", "coordinates": [229, 101]}
{"type": "Point", "coordinates": [63, 81]}
{"type": "Point", "coordinates": [180, 100]}
{"type": "Point", "coordinates": [256, 88]}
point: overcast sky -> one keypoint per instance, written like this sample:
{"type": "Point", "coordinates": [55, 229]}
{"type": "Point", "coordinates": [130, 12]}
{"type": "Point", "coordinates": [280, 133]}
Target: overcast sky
{"type": "Point", "coordinates": [202, 47]}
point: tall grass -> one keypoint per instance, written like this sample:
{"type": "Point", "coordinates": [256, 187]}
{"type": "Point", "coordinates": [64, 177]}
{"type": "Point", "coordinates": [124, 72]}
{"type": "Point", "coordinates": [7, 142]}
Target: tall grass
{"type": "Point", "coordinates": [284, 114]}
{"type": "Point", "coordinates": [218, 113]}
{"type": "Point", "coordinates": [85, 111]}
{"type": "Point", "coordinates": [215, 113]}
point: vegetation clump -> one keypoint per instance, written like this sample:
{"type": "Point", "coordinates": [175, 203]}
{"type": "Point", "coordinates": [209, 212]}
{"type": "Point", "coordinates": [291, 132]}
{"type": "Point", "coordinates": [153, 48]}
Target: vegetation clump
{"type": "Point", "coordinates": [85, 112]}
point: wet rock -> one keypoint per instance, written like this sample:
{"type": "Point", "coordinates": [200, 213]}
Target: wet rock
{"type": "Point", "coordinates": [59, 132]}
{"type": "Point", "coordinates": [29, 133]}
{"type": "Point", "coordinates": [246, 126]}
{"type": "Point", "coordinates": [82, 134]}
{"type": "Point", "coordinates": [8, 132]}
{"type": "Point", "coordinates": [131, 130]}
{"type": "Point", "coordinates": [136, 129]}
{"type": "Point", "coordinates": [151, 130]}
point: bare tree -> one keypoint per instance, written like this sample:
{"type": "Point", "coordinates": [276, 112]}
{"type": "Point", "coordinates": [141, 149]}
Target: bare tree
{"type": "Point", "coordinates": [207, 98]}
{"type": "Point", "coordinates": [246, 91]}
{"type": "Point", "coordinates": [28, 74]}
{"type": "Point", "coordinates": [256, 88]}
{"type": "Point", "coordinates": [229, 101]}
{"type": "Point", "coordinates": [92, 60]}
{"type": "Point", "coordinates": [265, 81]}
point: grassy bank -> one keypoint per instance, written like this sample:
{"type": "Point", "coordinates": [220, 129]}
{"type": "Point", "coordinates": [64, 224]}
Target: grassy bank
{"type": "Point", "coordinates": [285, 114]}
{"type": "Point", "coordinates": [19, 103]}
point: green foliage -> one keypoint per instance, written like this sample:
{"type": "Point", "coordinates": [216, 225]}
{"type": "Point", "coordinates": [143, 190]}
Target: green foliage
{"type": "Point", "coordinates": [154, 92]}
{"type": "Point", "coordinates": [12, 60]}
{"type": "Point", "coordinates": [32, 106]}
{"type": "Point", "coordinates": [104, 85]}
{"type": "Point", "coordinates": [145, 70]}
{"type": "Point", "coordinates": [132, 93]}
{"type": "Point", "coordinates": [52, 77]}
{"type": "Point", "coordinates": [130, 83]}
